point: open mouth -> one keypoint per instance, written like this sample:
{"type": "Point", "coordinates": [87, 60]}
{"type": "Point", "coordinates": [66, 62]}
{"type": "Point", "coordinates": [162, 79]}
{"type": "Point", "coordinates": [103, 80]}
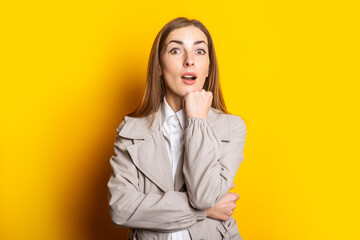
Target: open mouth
{"type": "Point", "coordinates": [189, 76]}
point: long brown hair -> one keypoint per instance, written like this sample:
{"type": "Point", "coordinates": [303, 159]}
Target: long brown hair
{"type": "Point", "coordinates": [155, 87]}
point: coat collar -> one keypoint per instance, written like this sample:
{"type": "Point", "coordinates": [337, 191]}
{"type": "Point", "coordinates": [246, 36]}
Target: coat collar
{"type": "Point", "coordinates": [150, 147]}
{"type": "Point", "coordinates": [138, 128]}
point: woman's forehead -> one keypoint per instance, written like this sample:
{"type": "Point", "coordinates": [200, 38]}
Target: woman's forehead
{"type": "Point", "coordinates": [187, 34]}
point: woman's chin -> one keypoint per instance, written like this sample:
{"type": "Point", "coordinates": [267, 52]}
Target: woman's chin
{"type": "Point", "coordinates": [180, 93]}
{"type": "Point", "coordinates": [189, 89]}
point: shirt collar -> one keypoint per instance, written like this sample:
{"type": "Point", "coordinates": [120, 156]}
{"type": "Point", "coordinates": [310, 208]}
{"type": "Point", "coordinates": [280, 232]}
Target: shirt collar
{"type": "Point", "coordinates": [166, 112]}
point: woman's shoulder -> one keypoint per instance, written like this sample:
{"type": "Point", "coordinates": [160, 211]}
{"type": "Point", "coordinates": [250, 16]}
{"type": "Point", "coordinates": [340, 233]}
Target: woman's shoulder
{"type": "Point", "coordinates": [237, 128]}
{"type": "Point", "coordinates": [232, 119]}
{"type": "Point", "coordinates": [226, 125]}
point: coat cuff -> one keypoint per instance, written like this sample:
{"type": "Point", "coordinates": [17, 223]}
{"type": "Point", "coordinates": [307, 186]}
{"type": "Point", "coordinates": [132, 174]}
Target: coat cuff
{"type": "Point", "coordinates": [196, 121]}
{"type": "Point", "coordinates": [201, 215]}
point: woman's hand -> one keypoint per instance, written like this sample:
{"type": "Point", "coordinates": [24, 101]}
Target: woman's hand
{"type": "Point", "coordinates": [225, 207]}
{"type": "Point", "coordinates": [197, 104]}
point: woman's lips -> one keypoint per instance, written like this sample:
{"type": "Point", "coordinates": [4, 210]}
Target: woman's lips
{"type": "Point", "coordinates": [188, 82]}
{"type": "Point", "coordinates": [189, 78]}
{"type": "Point", "coordinates": [189, 74]}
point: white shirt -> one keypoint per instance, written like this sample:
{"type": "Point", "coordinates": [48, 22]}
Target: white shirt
{"type": "Point", "coordinates": [173, 126]}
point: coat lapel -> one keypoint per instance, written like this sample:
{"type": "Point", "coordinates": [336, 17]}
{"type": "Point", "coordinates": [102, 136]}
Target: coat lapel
{"type": "Point", "coordinates": [149, 152]}
{"type": "Point", "coordinates": [151, 158]}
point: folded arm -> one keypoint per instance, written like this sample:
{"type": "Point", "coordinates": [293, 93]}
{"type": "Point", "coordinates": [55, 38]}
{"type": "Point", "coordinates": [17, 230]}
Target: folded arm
{"type": "Point", "coordinates": [210, 165]}
{"type": "Point", "coordinates": [129, 207]}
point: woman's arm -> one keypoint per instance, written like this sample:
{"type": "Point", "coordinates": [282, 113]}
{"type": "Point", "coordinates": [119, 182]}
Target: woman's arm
{"type": "Point", "coordinates": [210, 165]}
{"type": "Point", "coordinates": [129, 207]}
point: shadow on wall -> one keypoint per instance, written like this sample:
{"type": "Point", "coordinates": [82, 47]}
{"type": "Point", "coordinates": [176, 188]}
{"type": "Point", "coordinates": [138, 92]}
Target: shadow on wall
{"type": "Point", "coordinates": [88, 203]}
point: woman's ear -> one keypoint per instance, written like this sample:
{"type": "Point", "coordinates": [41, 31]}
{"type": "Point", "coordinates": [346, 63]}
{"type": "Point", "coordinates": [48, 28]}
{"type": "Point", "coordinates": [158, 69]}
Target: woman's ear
{"type": "Point", "coordinates": [159, 69]}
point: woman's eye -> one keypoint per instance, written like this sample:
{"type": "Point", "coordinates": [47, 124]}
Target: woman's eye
{"type": "Point", "coordinates": [174, 51]}
{"type": "Point", "coordinates": [201, 51]}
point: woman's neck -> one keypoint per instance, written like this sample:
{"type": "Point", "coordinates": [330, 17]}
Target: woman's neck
{"type": "Point", "coordinates": [174, 103]}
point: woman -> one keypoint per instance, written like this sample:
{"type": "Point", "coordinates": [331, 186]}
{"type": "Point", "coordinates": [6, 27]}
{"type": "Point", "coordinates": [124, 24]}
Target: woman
{"type": "Point", "coordinates": [177, 154]}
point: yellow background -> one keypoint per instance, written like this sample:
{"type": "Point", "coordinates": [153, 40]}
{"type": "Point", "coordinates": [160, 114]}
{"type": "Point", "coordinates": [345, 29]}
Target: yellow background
{"type": "Point", "coordinates": [70, 70]}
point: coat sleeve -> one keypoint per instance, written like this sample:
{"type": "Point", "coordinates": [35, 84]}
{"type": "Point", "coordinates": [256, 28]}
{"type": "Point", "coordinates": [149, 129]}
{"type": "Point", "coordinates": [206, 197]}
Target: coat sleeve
{"type": "Point", "coordinates": [129, 207]}
{"type": "Point", "coordinates": [210, 165]}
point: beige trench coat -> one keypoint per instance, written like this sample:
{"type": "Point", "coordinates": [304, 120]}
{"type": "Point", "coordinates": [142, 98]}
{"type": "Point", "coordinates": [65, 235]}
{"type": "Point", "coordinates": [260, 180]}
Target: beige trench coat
{"type": "Point", "coordinates": [142, 193]}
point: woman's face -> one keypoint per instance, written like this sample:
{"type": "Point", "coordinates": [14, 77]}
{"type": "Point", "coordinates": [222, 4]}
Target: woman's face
{"type": "Point", "coordinates": [184, 62]}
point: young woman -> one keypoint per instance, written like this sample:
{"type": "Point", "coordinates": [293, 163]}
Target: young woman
{"type": "Point", "coordinates": [176, 156]}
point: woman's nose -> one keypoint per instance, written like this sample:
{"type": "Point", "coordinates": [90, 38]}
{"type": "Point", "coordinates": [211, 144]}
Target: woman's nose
{"type": "Point", "coordinates": [189, 60]}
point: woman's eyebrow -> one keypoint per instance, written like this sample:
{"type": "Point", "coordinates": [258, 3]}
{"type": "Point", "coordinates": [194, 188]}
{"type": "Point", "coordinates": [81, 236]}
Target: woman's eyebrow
{"type": "Point", "coordinates": [181, 43]}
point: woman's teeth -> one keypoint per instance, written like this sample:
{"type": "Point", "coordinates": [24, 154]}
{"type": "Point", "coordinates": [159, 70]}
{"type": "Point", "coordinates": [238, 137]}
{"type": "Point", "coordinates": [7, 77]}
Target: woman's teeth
{"type": "Point", "coordinates": [188, 77]}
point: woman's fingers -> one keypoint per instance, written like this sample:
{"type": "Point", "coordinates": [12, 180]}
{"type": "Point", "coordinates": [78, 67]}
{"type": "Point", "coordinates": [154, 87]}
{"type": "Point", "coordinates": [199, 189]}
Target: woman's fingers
{"type": "Point", "coordinates": [236, 196]}
{"type": "Point", "coordinates": [225, 207]}
{"type": "Point", "coordinates": [197, 103]}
